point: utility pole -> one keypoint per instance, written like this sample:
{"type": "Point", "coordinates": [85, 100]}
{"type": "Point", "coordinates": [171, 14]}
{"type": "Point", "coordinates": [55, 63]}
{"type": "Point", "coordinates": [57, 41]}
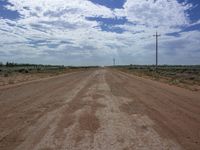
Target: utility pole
{"type": "Point", "coordinates": [113, 61]}
{"type": "Point", "coordinates": [157, 35]}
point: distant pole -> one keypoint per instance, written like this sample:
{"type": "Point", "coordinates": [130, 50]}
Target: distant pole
{"type": "Point", "coordinates": [156, 48]}
{"type": "Point", "coordinates": [113, 61]}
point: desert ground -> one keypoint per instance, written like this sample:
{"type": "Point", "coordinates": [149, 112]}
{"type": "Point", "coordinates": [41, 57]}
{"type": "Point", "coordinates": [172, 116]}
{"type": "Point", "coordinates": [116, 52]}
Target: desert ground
{"type": "Point", "coordinates": [100, 109]}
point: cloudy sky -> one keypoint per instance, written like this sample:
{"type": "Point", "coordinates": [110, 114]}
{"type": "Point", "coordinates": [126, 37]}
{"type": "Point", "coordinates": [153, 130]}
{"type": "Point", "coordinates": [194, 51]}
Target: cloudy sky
{"type": "Point", "coordinates": [93, 32]}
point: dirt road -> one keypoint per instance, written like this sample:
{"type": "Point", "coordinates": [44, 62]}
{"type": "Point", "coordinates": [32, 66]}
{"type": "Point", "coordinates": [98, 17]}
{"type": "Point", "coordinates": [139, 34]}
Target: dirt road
{"type": "Point", "coordinates": [99, 110]}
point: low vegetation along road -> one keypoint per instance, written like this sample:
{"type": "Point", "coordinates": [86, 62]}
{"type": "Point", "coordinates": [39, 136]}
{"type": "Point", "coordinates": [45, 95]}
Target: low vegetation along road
{"type": "Point", "coordinates": [98, 110]}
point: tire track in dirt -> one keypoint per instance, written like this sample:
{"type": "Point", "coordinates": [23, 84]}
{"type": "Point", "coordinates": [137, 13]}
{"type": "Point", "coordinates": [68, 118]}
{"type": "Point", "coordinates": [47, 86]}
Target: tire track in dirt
{"type": "Point", "coordinates": [98, 110]}
{"type": "Point", "coordinates": [93, 120]}
{"type": "Point", "coordinates": [167, 106]}
{"type": "Point", "coordinates": [19, 119]}
{"type": "Point", "coordinates": [75, 122]}
{"type": "Point", "coordinates": [122, 131]}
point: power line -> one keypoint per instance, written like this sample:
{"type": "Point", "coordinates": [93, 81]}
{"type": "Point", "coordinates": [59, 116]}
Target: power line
{"type": "Point", "coordinates": [157, 35]}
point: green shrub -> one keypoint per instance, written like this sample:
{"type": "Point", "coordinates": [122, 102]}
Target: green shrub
{"type": "Point", "coordinates": [23, 70]}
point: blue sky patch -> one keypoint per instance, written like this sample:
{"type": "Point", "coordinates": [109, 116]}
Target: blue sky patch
{"type": "Point", "coordinates": [36, 43]}
{"type": "Point", "coordinates": [110, 3]}
{"type": "Point", "coordinates": [194, 13]}
{"type": "Point", "coordinates": [112, 29]}
{"type": "Point", "coordinates": [176, 34]}
{"type": "Point", "coordinates": [111, 21]}
{"type": "Point", "coordinates": [7, 14]}
{"type": "Point", "coordinates": [192, 28]}
{"type": "Point", "coordinates": [108, 24]}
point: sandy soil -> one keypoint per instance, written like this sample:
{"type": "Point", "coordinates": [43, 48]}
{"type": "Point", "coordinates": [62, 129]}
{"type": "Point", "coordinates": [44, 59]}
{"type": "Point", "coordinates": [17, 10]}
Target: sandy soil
{"type": "Point", "coordinates": [99, 110]}
{"type": "Point", "coordinates": [15, 77]}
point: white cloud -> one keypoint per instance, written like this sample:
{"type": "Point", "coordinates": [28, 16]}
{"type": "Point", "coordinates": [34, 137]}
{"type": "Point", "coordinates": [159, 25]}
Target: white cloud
{"type": "Point", "coordinates": [60, 29]}
{"type": "Point", "coordinates": [147, 15]}
{"type": "Point", "coordinates": [59, 8]}
{"type": "Point", "coordinates": [157, 12]}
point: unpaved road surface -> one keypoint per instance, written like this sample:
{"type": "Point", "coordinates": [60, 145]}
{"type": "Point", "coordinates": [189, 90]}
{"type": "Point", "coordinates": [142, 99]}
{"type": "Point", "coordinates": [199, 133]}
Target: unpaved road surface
{"type": "Point", "coordinates": [98, 110]}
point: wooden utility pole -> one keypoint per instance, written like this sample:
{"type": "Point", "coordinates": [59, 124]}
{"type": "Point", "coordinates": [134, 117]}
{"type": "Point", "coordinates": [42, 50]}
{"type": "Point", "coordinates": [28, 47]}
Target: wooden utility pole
{"type": "Point", "coordinates": [113, 61]}
{"type": "Point", "coordinates": [156, 48]}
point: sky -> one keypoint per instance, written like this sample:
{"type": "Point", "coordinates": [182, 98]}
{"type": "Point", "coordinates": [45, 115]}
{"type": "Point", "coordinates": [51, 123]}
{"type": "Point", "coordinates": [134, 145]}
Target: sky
{"type": "Point", "coordinates": [93, 32]}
